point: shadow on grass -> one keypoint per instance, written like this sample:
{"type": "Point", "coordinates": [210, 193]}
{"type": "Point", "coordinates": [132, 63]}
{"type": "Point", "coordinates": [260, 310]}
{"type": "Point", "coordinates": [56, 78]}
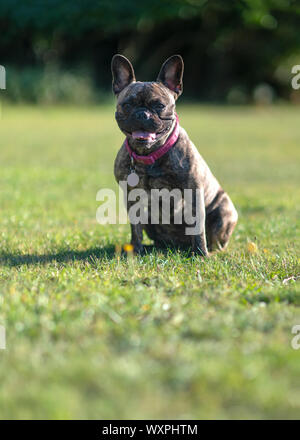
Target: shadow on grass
{"type": "Point", "coordinates": [64, 256]}
{"type": "Point", "coordinates": [92, 255]}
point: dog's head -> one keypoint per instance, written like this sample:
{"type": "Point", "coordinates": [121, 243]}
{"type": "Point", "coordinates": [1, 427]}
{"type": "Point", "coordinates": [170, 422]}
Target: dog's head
{"type": "Point", "coordinates": [146, 110]}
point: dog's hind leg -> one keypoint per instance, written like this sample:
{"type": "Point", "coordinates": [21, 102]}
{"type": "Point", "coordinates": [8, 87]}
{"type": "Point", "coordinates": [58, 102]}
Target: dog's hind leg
{"type": "Point", "coordinates": [220, 223]}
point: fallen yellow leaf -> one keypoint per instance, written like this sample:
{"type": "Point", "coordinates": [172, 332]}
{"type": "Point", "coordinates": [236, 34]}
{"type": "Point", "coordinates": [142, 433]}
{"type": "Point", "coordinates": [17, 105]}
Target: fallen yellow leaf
{"type": "Point", "coordinates": [252, 247]}
{"type": "Point", "coordinates": [128, 247]}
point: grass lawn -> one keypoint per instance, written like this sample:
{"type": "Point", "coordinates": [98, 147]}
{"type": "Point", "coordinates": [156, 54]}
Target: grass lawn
{"type": "Point", "coordinates": [90, 335]}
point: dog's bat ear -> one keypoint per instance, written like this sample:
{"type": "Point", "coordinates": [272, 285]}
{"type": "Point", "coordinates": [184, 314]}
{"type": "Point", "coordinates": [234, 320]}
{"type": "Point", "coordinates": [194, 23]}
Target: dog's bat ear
{"type": "Point", "coordinates": [171, 74]}
{"type": "Point", "coordinates": [122, 73]}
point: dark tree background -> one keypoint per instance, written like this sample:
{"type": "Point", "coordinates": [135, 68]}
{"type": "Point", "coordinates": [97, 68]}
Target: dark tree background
{"type": "Point", "coordinates": [233, 49]}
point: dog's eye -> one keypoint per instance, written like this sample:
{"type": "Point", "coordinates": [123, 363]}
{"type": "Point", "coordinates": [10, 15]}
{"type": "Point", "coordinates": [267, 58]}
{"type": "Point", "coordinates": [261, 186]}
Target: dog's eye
{"type": "Point", "coordinates": [126, 107]}
{"type": "Point", "coordinates": [159, 106]}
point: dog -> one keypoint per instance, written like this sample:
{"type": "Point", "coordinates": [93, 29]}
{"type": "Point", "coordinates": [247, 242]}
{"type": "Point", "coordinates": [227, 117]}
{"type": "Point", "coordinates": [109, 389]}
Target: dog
{"type": "Point", "coordinates": [160, 153]}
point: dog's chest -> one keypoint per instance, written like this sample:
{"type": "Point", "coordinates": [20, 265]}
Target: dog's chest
{"type": "Point", "coordinates": [154, 171]}
{"type": "Point", "coordinates": [153, 177]}
{"type": "Point", "coordinates": [157, 176]}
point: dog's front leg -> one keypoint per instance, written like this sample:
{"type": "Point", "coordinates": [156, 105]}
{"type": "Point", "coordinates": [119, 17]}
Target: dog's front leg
{"type": "Point", "coordinates": [136, 231]}
{"type": "Point", "coordinates": [199, 245]}
{"type": "Point", "coordinates": [136, 238]}
{"type": "Point", "coordinates": [197, 231]}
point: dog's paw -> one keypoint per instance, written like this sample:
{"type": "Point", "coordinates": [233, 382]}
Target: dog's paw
{"type": "Point", "coordinates": [138, 249]}
{"type": "Point", "coordinates": [201, 252]}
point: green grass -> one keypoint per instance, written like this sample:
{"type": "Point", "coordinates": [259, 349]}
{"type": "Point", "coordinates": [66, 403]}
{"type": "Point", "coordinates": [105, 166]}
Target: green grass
{"type": "Point", "coordinates": [164, 335]}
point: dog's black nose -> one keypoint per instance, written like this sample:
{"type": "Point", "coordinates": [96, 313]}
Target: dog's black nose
{"type": "Point", "coordinates": [143, 115]}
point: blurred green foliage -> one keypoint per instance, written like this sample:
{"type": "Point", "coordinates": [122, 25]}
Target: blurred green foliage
{"type": "Point", "coordinates": [51, 85]}
{"type": "Point", "coordinates": [230, 48]}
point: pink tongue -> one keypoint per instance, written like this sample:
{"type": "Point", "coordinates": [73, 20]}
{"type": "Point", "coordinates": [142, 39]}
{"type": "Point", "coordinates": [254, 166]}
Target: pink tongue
{"type": "Point", "coordinates": [144, 135]}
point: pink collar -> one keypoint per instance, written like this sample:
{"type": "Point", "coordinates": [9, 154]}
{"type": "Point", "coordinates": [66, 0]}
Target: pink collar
{"type": "Point", "coordinates": [151, 158]}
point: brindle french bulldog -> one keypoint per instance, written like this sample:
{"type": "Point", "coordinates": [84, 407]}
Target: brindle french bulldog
{"type": "Point", "coordinates": [146, 115]}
